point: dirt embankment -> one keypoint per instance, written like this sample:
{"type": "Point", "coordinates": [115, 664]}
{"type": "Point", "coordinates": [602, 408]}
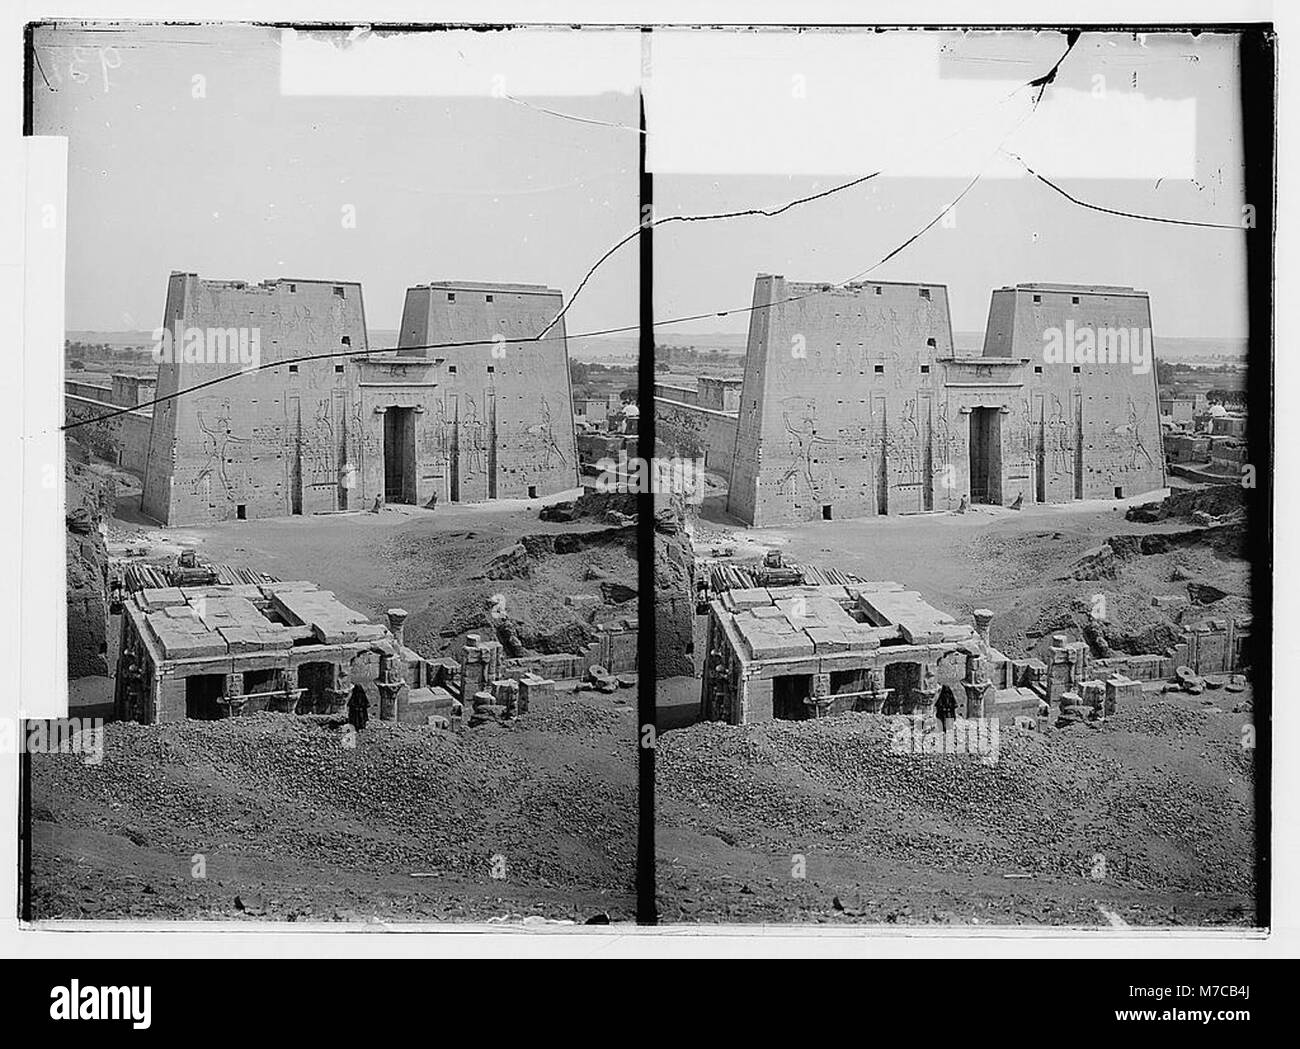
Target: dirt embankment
{"type": "Point", "coordinates": [1107, 594]}
{"type": "Point", "coordinates": [674, 593]}
{"type": "Point", "coordinates": [181, 820]}
{"type": "Point", "coordinates": [1151, 814]}
{"type": "Point", "coordinates": [1216, 500]}
{"type": "Point", "coordinates": [90, 499]}
{"type": "Point", "coordinates": [544, 594]}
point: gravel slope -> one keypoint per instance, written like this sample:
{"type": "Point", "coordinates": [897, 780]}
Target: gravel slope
{"type": "Point", "coordinates": [300, 827]}
{"type": "Point", "coordinates": [1154, 808]}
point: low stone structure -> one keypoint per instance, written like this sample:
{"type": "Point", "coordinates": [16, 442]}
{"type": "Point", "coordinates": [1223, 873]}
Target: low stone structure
{"type": "Point", "coordinates": [810, 651]}
{"type": "Point", "coordinates": [208, 652]}
{"type": "Point", "coordinates": [805, 651]}
{"type": "Point", "coordinates": [699, 422]}
{"type": "Point", "coordinates": [488, 691]}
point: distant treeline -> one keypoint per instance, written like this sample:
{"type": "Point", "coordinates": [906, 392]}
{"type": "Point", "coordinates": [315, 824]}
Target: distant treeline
{"type": "Point", "coordinates": [698, 360]}
{"type": "Point", "coordinates": [80, 354]}
{"type": "Point", "coordinates": [600, 380]}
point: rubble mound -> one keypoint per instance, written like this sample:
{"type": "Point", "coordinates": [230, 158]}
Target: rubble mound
{"type": "Point", "coordinates": [540, 546]}
{"type": "Point", "coordinates": [613, 507]}
{"type": "Point", "coordinates": [674, 593]}
{"type": "Point", "coordinates": [540, 594]}
{"type": "Point", "coordinates": [555, 794]}
{"type": "Point", "coordinates": [1216, 500]}
{"type": "Point", "coordinates": [510, 563]}
{"type": "Point", "coordinates": [568, 717]}
{"type": "Point", "coordinates": [1046, 805]}
{"type": "Point", "coordinates": [1108, 561]}
{"type": "Point", "coordinates": [90, 500]}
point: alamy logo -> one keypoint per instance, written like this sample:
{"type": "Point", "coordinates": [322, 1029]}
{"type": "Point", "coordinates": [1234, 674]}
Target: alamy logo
{"type": "Point", "coordinates": [929, 737]}
{"type": "Point", "coordinates": [75, 1002]}
{"type": "Point", "coordinates": [235, 346]}
{"type": "Point", "coordinates": [1088, 345]}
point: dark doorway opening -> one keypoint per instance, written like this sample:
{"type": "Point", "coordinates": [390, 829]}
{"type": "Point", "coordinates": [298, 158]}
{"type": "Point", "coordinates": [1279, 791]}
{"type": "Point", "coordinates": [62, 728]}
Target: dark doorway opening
{"type": "Point", "coordinates": [903, 680]}
{"type": "Point", "coordinates": [318, 680]}
{"type": "Point", "coordinates": [202, 693]}
{"type": "Point", "coordinates": [532, 491]}
{"type": "Point", "coordinates": [788, 694]}
{"type": "Point", "coordinates": [985, 455]}
{"type": "Point", "coordinates": [399, 455]}
{"type": "Point", "coordinates": [850, 684]}
{"type": "Point", "coordinates": [258, 683]}
{"type": "Point", "coordinates": [826, 513]}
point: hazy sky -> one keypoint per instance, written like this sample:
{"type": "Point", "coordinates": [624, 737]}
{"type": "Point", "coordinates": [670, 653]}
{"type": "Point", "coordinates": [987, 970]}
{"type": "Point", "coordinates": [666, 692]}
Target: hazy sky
{"type": "Point", "coordinates": [239, 152]}
{"type": "Point", "coordinates": [1149, 125]}
{"type": "Point", "coordinates": [251, 178]}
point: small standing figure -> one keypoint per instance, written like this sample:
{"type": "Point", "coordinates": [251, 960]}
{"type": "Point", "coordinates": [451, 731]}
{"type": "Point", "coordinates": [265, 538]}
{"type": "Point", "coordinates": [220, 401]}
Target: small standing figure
{"type": "Point", "coordinates": [945, 709]}
{"type": "Point", "coordinates": [358, 707]}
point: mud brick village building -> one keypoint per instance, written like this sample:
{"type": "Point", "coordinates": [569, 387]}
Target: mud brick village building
{"type": "Point", "coordinates": [491, 419]}
{"type": "Point", "coordinates": [855, 402]}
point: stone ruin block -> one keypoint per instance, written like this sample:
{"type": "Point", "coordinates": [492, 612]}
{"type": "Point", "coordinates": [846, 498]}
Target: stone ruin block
{"type": "Point", "coordinates": [155, 598]}
{"type": "Point", "coordinates": [1028, 673]}
{"type": "Point", "coordinates": [533, 687]}
{"type": "Point", "coordinates": [506, 694]}
{"type": "Point", "coordinates": [1094, 697]}
{"type": "Point", "coordinates": [977, 694]}
{"type": "Point", "coordinates": [749, 597]}
{"type": "Point", "coordinates": [1073, 710]}
{"type": "Point", "coordinates": [1146, 668]}
{"type": "Point", "coordinates": [486, 708]}
{"type": "Point", "coordinates": [921, 633]}
{"type": "Point", "coordinates": [1000, 671]}
{"type": "Point", "coordinates": [827, 639]}
{"type": "Point", "coordinates": [479, 663]}
{"type": "Point", "coordinates": [599, 678]}
{"type": "Point", "coordinates": [440, 672]}
{"type": "Point", "coordinates": [861, 638]}
{"type": "Point", "coordinates": [1121, 689]}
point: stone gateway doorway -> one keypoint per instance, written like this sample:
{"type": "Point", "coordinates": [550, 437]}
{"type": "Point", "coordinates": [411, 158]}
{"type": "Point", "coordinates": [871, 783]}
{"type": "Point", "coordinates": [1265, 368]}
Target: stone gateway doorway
{"type": "Point", "coordinates": [986, 455]}
{"type": "Point", "coordinates": [399, 455]}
